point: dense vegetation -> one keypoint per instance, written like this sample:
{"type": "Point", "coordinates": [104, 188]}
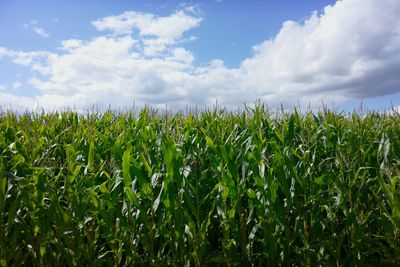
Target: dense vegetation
{"type": "Point", "coordinates": [209, 188]}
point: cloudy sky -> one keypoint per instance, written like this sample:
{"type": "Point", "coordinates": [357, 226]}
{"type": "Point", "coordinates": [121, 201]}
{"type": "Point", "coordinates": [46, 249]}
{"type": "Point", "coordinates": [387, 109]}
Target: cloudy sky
{"type": "Point", "coordinates": [58, 54]}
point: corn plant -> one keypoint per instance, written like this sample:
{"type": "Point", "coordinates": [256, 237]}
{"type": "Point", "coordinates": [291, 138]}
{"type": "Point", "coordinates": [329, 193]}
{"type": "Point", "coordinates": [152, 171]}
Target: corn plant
{"type": "Point", "coordinates": [209, 188]}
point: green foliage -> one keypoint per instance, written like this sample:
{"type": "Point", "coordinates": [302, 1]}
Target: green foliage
{"type": "Point", "coordinates": [204, 189]}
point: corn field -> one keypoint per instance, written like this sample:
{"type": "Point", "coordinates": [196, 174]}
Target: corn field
{"type": "Point", "coordinates": [210, 188]}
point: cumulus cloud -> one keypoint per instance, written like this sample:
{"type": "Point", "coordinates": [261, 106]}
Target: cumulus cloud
{"type": "Point", "coordinates": [351, 49]}
{"type": "Point", "coordinates": [156, 33]}
{"type": "Point", "coordinates": [31, 59]}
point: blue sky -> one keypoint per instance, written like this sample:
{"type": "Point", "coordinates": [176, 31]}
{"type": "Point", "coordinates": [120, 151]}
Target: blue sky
{"type": "Point", "coordinates": [58, 54]}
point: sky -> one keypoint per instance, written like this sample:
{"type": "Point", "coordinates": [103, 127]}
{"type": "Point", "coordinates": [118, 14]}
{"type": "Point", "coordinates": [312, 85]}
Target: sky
{"type": "Point", "coordinates": [59, 54]}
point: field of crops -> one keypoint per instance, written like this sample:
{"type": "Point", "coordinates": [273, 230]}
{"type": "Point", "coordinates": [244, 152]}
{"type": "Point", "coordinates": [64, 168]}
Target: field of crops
{"type": "Point", "coordinates": [202, 189]}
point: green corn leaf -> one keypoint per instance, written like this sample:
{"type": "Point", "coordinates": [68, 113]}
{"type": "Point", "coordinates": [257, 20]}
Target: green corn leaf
{"type": "Point", "coordinates": [126, 168]}
{"type": "Point", "coordinates": [91, 157]}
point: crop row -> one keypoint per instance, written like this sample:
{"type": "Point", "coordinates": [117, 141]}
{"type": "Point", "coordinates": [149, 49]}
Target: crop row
{"type": "Point", "coordinates": [208, 188]}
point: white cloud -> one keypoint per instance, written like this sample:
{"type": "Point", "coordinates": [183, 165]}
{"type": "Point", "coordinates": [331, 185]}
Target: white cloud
{"type": "Point", "coordinates": [352, 49]}
{"type": "Point", "coordinates": [156, 33]}
{"type": "Point", "coordinates": [395, 110]}
{"type": "Point", "coordinates": [170, 27]}
{"type": "Point", "coordinates": [36, 29]}
{"type": "Point", "coordinates": [41, 32]}
{"type": "Point", "coordinates": [71, 44]}
{"type": "Point", "coordinates": [21, 103]}
{"type": "Point", "coordinates": [3, 52]}
{"type": "Point", "coordinates": [17, 85]}
{"type": "Point", "coordinates": [28, 58]}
